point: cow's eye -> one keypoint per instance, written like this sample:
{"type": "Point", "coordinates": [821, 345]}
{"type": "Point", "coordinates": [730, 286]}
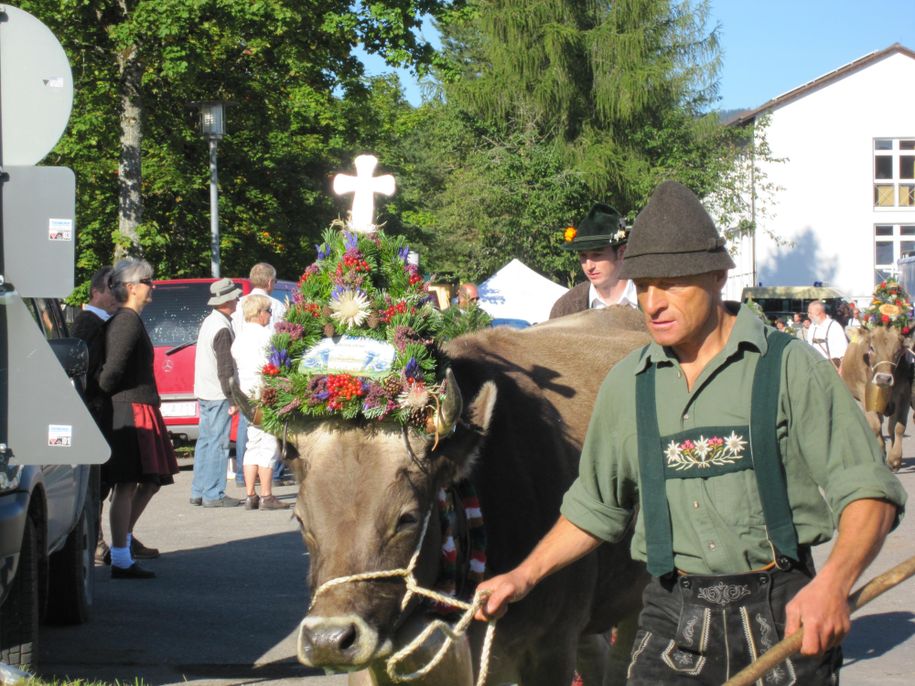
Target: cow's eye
{"type": "Point", "coordinates": [407, 519]}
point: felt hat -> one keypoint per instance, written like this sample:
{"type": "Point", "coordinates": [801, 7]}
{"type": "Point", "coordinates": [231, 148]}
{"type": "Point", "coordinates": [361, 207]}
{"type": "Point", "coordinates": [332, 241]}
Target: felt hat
{"type": "Point", "coordinates": [601, 227]}
{"type": "Point", "coordinates": [223, 291]}
{"type": "Point", "coordinates": [673, 236]}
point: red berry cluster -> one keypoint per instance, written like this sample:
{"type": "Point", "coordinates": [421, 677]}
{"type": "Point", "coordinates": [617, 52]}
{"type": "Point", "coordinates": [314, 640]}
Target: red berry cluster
{"type": "Point", "coordinates": [270, 370]}
{"type": "Point", "coordinates": [341, 388]}
{"type": "Point", "coordinates": [313, 309]}
{"type": "Point", "coordinates": [415, 279]}
{"type": "Point", "coordinates": [388, 314]}
{"type": "Point", "coordinates": [356, 263]}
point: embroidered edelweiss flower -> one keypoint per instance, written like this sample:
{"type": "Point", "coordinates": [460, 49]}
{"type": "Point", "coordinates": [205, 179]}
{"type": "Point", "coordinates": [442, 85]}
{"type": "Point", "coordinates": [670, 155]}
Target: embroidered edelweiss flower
{"type": "Point", "coordinates": [350, 308]}
{"type": "Point", "coordinates": [619, 235]}
{"type": "Point", "coordinates": [702, 448]}
{"type": "Point", "coordinates": [570, 233]}
{"type": "Point", "coordinates": [735, 443]}
{"type": "Point", "coordinates": [673, 452]}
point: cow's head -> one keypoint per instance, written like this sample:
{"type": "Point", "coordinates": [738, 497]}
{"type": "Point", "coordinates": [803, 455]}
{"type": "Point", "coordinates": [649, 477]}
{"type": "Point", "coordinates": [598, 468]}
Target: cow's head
{"type": "Point", "coordinates": [884, 348]}
{"type": "Point", "coordinates": [365, 491]}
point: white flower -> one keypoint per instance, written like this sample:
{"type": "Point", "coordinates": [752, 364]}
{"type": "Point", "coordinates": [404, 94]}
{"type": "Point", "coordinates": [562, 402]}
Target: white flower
{"type": "Point", "coordinates": [619, 235]}
{"type": "Point", "coordinates": [735, 443]}
{"type": "Point", "coordinates": [672, 452]}
{"type": "Point", "coordinates": [415, 397]}
{"type": "Point", "coordinates": [350, 308]}
{"type": "Point", "coordinates": [702, 447]}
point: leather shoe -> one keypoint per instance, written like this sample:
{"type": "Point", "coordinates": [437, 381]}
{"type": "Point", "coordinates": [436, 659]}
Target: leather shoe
{"type": "Point", "coordinates": [134, 571]}
{"type": "Point", "coordinates": [140, 551]}
{"type": "Point", "coordinates": [271, 502]}
{"type": "Point", "coordinates": [196, 501]}
{"type": "Point", "coordinates": [252, 502]}
{"type": "Point", "coordinates": [224, 501]}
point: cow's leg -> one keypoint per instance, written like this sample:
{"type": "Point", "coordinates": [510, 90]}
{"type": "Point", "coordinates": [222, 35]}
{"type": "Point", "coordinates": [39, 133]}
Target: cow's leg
{"type": "Point", "coordinates": [621, 652]}
{"type": "Point", "coordinates": [875, 422]}
{"type": "Point", "coordinates": [894, 455]}
{"type": "Point", "coordinates": [556, 668]}
{"type": "Point", "coordinates": [592, 658]}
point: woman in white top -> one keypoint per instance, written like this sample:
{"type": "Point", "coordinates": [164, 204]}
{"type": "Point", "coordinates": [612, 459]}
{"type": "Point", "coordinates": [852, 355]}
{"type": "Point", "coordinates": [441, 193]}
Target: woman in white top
{"type": "Point", "coordinates": [250, 351]}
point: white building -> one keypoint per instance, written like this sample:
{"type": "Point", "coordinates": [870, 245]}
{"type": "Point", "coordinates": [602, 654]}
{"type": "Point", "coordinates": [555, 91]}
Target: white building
{"type": "Point", "coordinates": [845, 197]}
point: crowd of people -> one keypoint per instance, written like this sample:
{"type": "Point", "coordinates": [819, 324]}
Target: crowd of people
{"type": "Point", "coordinates": [829, 335]}
{"type": "Point", "coordinates": [122, 396]}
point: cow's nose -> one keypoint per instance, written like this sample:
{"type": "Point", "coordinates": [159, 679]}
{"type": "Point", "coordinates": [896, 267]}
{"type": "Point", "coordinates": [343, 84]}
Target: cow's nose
{"type": "Point", "coordinates": [327, 645]}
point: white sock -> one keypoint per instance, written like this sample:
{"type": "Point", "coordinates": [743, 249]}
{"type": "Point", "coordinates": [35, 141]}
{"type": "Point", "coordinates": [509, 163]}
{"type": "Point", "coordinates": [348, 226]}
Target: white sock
{"type": "Point", "coordinates": [120, 557]}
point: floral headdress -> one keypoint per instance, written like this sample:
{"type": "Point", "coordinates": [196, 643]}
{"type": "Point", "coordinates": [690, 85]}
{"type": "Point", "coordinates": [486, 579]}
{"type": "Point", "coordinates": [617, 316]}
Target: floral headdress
{"type": "Point", "coordinates": [360, 339]}
{"type": "Point", "coordinates": [890, 306]}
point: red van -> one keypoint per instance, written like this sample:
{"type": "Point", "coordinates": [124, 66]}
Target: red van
{"type": "Point", "coordinates": [173, 321]}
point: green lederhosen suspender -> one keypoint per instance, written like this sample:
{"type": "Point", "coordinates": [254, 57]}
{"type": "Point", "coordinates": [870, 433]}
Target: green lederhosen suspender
{"type": "Point", "coordinates": [767, 464]}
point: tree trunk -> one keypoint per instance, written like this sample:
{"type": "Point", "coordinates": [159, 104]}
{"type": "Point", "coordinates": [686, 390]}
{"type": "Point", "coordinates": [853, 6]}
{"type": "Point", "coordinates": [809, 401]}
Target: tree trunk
{"type": "Point", "coordinates": [130, 200]}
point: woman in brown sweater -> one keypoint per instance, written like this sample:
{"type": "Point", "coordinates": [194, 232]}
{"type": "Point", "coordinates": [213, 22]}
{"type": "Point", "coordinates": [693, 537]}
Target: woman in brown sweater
{"type": "Point", "coordinates": [142, 458]}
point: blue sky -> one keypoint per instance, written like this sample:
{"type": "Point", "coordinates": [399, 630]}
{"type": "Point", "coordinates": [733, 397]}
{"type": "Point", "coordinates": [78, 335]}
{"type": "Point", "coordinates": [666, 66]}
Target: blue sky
{"type": "Point", "coordinates": [772, 46]}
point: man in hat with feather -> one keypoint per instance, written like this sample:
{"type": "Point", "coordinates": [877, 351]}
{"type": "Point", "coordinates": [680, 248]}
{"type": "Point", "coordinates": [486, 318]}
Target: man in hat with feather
{"type": "Point", "coordinates": [600, 241]}
{"type": "Point", "coordinates": [706, 433]}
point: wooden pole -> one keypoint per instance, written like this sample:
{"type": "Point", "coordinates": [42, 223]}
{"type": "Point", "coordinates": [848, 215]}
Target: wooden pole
{"type": "Point", "coordinates": [784, 649]}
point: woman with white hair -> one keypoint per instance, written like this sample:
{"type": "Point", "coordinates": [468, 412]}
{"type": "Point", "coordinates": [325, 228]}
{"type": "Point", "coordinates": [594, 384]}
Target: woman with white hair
{"type": "Point", "coordinates": [142, 457]}
{"type": "Point", "coordinates": [250, 353]}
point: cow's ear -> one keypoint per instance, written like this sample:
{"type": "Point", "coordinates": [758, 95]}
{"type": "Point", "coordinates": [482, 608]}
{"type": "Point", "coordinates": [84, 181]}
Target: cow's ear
{"type": "Point", "coordinates": [481, 407]}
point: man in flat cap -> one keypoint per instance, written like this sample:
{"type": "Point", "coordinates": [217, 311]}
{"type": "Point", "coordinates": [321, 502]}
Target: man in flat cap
{"type": "Point", "coordinates": [214, 374]}
{"type": "Point", "coordinates": [706, 431]}
{"type": "Point", "coordinates": [600, 241]}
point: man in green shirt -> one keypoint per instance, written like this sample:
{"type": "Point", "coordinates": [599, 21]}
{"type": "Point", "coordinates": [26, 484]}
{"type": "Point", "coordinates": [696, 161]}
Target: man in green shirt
{"type": "Point", "coordinates": [740, 448]}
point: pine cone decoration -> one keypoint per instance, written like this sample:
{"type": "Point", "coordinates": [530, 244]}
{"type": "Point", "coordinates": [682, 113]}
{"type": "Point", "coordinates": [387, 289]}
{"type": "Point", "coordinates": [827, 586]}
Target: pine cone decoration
{"type": "Point", "coordinates": [373, 321]}
{"type": "Point", "coordinates": [392, 386]}
{"type": "Point", "coordinates": [268, 395]}
{"type": "Point", "coordinates": [417, 416]}
{"type": "Point", "coordinates": [329, 331]}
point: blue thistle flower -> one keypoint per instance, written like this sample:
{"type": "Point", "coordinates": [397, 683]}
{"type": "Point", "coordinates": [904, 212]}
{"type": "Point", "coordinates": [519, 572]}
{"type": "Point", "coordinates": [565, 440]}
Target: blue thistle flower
{"type": "Point", "coordinates": [403, 253]}
{"type": "Point", "coordinates": [279, 358]}
{"type": "Point", "coordinates": [323, 251]}
{"type": "Point", "coordinates": [350, 240]}
{"type": "Point", "coordinates": [411, 369]}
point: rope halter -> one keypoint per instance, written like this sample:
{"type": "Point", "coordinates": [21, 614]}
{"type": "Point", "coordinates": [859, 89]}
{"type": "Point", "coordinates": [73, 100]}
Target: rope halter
{"type": "Point", "coordinates": [451, 633]}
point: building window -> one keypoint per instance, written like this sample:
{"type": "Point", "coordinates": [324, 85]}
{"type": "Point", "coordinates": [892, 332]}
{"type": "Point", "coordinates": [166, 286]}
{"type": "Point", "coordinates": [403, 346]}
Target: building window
{"type": "Point", "coordinates": [891, 241]}
{"type": "Point", "coordinates": [894, 172]}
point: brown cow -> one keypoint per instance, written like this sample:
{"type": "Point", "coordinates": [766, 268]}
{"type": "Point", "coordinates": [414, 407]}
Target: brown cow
{"type": "Point", "coordinates": [366, 488]}
{"type": "Point", "coordinates": [877, 368]}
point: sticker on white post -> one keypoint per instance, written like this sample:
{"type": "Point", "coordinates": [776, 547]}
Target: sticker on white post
{"type": "Point", "coordinates": [60, 229]}
{"type": "Point", "coordinates": [60, 435]}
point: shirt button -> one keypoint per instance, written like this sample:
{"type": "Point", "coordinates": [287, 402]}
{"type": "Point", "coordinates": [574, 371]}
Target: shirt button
{"type": "Point", "coordinates": [696, 504]}
{"type": "Point", "coordinates": [711, 545]}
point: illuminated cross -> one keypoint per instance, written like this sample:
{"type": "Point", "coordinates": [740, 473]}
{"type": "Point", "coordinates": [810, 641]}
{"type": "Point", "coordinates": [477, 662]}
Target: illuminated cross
{"type": "Point", "coordinates": [363, 186]}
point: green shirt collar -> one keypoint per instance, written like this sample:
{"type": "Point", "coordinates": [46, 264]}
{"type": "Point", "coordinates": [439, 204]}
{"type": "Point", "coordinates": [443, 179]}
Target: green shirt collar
{"type": "Point", "coordinates": [748, 329]}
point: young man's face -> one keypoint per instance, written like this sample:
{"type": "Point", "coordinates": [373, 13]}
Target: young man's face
{"type": "Point", "coordinates": [680, 311]}
{"type": "Point", "coordinates": [601, 266]}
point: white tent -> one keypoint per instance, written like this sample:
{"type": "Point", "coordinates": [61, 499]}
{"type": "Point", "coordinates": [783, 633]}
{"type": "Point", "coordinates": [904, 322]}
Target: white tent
{"type": "Point", "coordinates": [518, 292]}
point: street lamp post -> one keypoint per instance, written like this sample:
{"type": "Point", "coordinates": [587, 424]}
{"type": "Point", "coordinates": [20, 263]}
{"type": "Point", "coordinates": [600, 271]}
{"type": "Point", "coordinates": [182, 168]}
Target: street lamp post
{"type": "Point", "coordinates": [212, 127]}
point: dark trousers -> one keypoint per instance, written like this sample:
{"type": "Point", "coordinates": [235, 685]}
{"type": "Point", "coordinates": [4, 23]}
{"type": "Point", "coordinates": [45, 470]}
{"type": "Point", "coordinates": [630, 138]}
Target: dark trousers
{"type": "Point", "coordinates": [704, 629]}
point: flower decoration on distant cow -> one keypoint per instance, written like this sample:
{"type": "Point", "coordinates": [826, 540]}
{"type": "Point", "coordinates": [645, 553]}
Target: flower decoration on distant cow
{"type": "Point", "coordinates": [890, 306]}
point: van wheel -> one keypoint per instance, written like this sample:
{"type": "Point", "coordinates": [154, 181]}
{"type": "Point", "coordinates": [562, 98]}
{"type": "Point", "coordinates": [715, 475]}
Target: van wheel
{"type": "Point", "coordinates": [72, 573]}
{"type": "Point", "coordinates": [19, 614]}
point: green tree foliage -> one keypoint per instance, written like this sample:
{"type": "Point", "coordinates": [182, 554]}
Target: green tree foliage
{"type": "Point", "coordinates": [297, 94]}
{"type": "Point", "coordinates": [551, 105]}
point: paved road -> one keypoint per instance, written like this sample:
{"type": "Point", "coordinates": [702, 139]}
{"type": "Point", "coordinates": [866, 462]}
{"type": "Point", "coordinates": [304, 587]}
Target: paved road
{"type": "Point", "coordinates": [231, 590]}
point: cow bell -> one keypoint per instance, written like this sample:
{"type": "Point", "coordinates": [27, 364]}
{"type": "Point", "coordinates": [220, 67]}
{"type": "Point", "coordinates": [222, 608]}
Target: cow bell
{"type": "Point", "coordinates": [876, 398]}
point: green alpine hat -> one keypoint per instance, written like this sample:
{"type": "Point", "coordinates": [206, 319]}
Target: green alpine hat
{"type": "Point", "coordinates": [673, 236]}
{"type": "Point", "coordinates": [602, 226]}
